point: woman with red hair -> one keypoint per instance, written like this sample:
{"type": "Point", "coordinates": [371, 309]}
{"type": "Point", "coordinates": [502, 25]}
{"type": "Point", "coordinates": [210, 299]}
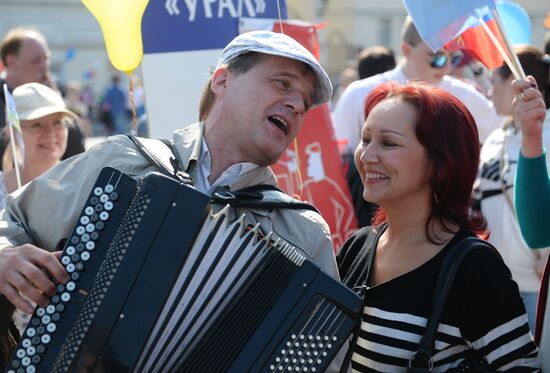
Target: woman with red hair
{"type": "Point", "coordinates": [418, 160]}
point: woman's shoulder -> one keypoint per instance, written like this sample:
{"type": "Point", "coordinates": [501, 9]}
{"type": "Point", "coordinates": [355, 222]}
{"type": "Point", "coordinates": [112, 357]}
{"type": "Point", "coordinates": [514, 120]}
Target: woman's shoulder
{"type": "Point", "coordinates": [353, 253]}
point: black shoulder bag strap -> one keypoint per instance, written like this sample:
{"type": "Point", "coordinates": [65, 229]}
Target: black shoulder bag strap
{"type": "Point", "coordinates": [360, 290]}
{"type": "Point", "coordinates": [161, 154]}
{"type": "Point", "coordinates": [421, 360]}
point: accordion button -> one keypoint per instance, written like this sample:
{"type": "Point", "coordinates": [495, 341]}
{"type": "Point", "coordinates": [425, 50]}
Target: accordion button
{"type": "Point", "coordinates": [20, 353]}
{"type": "Point", "coordinates": [65, 297]}
{"type": "Point", "coordinates": [31, 351]}
{"type": "Point", "coordinates": [51, 327]}
{"type": "Point", "coordinates": [40, 311]}
{"type": "Point", "coordinates": [75, 258]}
{"type": "Point", "coordinates": [75, 240]}
{"type": "Point", "coordinates": [94, 218]}
{"type": "Point", "coordinates": [108, 206]}
{"type": "Point", "coordinates": [26, 361]}
{"type": "Point", "coordinates": [70, 250]}
{"type": "Point", "coordinates": [60, 288]}
{"type": "Point", "coordinates": [94, 200]}
{"type": "Point", "coordinates": [98, 191]}
{"type": "Point", "coordinates": [45, 339]}
{"type": "Point", "coordinates": [35, 321]}
{"type": "Point", "coordinates": [272, 368]}
{"type": "Point", "coordinates": [85, 237]}
{"type": "Point", "coordinates": [16, 364]}
{"type": "Point", "coordinates": [65, 260]}
{"type": "Point", "coordinates": [104, 198]}
{"type": "Point", "coordinates": [50, 309]}
{"type": "Point", "coordinates": [70, 268]}
{"type": "Point", "coordinates": [90, 228]}
{"type": "Point", "coordinates": [109, 188]}
{"type": "Point", "coordinates": [100, 225]}
{"type": "Point", "coordinates": [31, 332]}
{"type": "Point", "coordinates": [26, 342]}
{"type": "Point", "coordinates": [85, 255]}
{"type": "Point", "coordinates": [80, 230]}
{"type": "Point", "coordinates": [79, 266]}
{"type": "Point", "coordinates": [59, 308]}
{"type": "Point", "coordinates": [75, 276]}
{"type": "Point", "coordinates": [104, 215]}
{"type": "Point", "coordinates": [41, 349]}
{"type": "Point", "coordinates": [56, 317]}
{"type": "Point", "coordinates": [113, 196]}
{"type": "Point", "coordinates": [36, 341]}
{"type": "Point", "coordinates": [70, 286]}
{"type": "Point", "coordinates": [36, 359]}
{"type": "Point", "coordinates": [98, 208]}
{"type": "Point", "coordinates": [30, 369]}
{"type": "Point", "coordinates": [84, 220]}
{"type": "Point", "coordinates": [80, 247]}
{"type": "Point", "coordinates": [89, 210]}
{"type": "Point", "coordinates": [41, 329]}
{"type": "Point", "coordinates": [90, 245]}
{"type": "Point", "coordinates": [55, 299]}
{"type": "Point", "coordinates": [94, 235]}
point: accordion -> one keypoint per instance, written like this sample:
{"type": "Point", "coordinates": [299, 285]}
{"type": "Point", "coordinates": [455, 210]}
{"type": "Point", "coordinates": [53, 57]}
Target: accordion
{"type": "Point", "coordinates": [159, 284]}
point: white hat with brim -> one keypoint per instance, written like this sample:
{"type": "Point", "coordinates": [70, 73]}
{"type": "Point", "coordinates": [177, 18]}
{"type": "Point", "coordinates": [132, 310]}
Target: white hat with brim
{"type": "Point", "coordinates": [281, 45]}
{"type": "Point", "coordinates": [35, 100]}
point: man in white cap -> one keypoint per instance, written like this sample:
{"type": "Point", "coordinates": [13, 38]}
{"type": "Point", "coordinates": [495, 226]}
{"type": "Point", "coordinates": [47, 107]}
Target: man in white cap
{"type": "Point", "coordinates": [252, 109]}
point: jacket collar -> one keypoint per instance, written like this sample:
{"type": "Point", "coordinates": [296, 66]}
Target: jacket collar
{"type": "Point", "coordinates": [188, 143]}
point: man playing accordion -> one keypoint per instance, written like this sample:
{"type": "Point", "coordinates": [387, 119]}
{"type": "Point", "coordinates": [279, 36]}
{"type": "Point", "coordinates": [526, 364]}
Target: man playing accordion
{"type": "Point", "coordinates": [251, 109]}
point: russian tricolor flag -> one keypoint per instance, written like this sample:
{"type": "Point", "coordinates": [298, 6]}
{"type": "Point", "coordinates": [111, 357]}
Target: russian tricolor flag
{"type": "Point", "coordinates": [456, 25]}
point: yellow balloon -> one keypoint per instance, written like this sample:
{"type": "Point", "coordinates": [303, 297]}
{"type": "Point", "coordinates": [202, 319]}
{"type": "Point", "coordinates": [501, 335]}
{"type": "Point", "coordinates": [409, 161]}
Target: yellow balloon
{"type": "Point", "coordinates": [120, 22]}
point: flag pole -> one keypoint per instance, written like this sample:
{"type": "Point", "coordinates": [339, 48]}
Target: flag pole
{"type": "Point", "coordinates": [514, 63]}
{"type": "Point", "coordinates": [499, 47]}
{"type": "Point", "coordinates": [14, 155]}
{"type": "Point", "coordinates": [12, 137]}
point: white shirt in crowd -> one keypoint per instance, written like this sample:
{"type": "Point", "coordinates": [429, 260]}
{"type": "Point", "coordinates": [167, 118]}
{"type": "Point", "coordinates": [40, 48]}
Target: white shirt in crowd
{"type": "Point", "coordinates": [348, 116]}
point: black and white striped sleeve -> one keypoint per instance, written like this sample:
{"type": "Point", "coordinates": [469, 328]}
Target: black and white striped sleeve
{"type": "Point", "coordinates": [493, 318]}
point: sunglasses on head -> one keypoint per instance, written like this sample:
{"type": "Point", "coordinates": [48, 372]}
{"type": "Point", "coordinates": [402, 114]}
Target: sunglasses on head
{"type": "Point", "coordinates": [439, 59]}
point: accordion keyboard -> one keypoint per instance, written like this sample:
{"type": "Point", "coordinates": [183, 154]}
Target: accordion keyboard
{"type": "Point", "coordinates": [104, 209]}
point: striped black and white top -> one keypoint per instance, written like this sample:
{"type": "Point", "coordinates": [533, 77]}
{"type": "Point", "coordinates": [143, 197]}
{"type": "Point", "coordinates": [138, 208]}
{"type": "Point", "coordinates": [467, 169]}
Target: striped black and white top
{"type": "Point", "coordinates": [484, 313]}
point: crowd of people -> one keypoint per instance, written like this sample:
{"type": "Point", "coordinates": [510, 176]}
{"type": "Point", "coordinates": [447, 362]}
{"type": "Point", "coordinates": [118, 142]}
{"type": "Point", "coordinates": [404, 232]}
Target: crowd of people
{"type": "Point", "coordinates": [432, 161]}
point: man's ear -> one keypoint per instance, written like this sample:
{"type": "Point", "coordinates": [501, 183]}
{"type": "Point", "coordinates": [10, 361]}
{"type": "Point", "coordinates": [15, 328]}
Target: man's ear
{"type": "Point", "coordinates": [219, 81]}
{"type": "Point", "coordinates": [10, 59]}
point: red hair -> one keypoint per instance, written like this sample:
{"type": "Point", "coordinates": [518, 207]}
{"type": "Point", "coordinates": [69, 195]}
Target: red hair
{"type": "Point", "coordinates": [448, 131]}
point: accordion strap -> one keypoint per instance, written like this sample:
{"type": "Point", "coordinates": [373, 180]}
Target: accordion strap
{"type": "Point", "coordinates": [161, 154]}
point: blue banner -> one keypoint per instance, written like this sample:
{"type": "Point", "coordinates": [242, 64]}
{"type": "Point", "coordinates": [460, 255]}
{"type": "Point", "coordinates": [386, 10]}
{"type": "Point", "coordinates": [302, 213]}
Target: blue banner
{"type": "Point", "coordinates": [190, 25]}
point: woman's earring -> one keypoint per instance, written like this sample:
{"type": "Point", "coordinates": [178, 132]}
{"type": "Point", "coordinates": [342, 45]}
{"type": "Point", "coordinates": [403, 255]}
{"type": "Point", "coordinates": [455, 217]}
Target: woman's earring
{"type": "Point", "coordinates": [436, 199]}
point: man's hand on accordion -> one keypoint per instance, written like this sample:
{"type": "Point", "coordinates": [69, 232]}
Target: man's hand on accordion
{"type": "Point", "coordinates": [24, 270]}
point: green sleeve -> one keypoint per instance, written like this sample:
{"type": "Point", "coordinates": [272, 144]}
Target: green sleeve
{"type": "Point", "coordinates": [532, 198]}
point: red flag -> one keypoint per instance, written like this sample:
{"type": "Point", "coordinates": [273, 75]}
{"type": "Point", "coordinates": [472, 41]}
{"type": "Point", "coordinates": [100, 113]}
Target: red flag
{"type": "Point", "coordinates": [476, 41]}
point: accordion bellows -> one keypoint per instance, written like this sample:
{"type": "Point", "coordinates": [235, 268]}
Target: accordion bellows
{"type": "Point", "coordinates": [161, 285]}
